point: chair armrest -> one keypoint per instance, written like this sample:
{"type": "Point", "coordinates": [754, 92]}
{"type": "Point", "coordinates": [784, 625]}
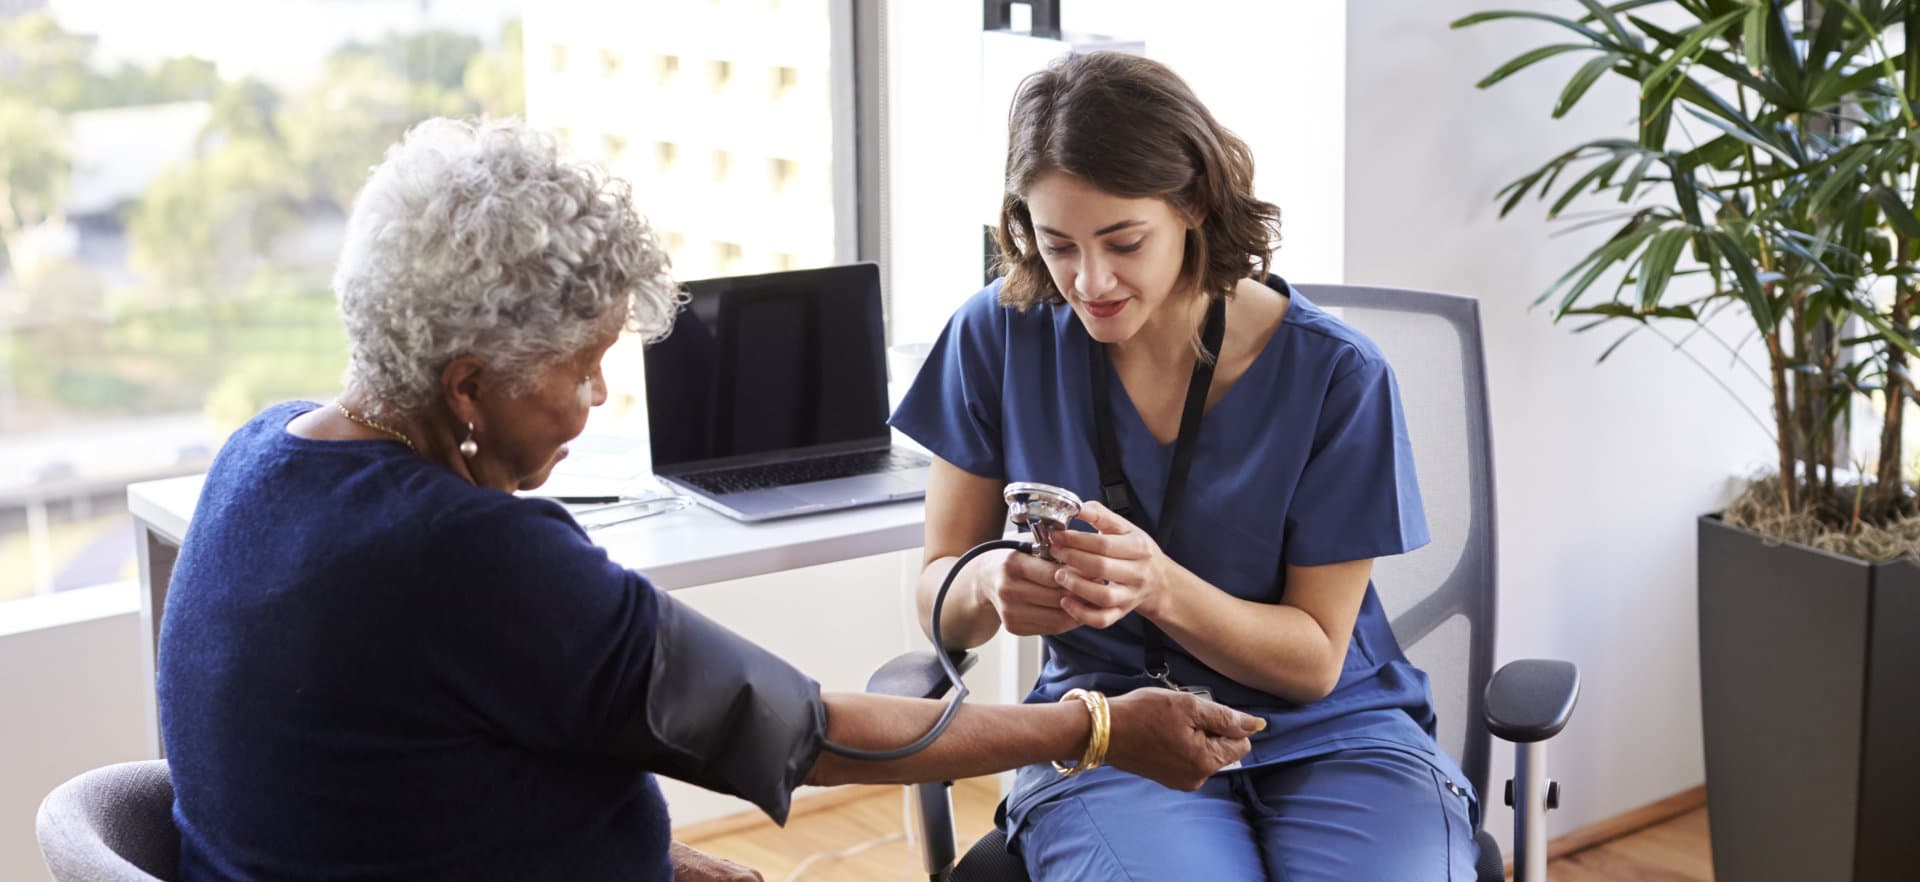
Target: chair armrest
{"type": "Point", "coordinates": [918, 674]}
{"type": "Point", "coordinates": [1531, 699]}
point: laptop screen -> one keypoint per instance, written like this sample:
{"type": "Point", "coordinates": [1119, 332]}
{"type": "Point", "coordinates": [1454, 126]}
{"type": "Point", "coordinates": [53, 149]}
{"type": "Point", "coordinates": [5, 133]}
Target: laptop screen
{"type": "Point", "coordinates": [759, 365]}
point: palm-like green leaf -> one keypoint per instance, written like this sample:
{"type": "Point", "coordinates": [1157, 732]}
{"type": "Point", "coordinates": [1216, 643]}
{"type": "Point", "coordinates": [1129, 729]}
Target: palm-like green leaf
{"type": "Point", "coordinates": [1596, 264]}
{"type": "Point", "coordinates": [1637, 313]}
{"type": "Point", "coordinates": [1723, 65]}
{"type": "Point", "coordinates": [1753, 38]}
{"type": "Point", "coordinates": [1583, 80]}
{"type": "Point", "coordinates": [1896, 336]}
{"type": "Point", "coordinates": [1845, 173]}
{"type": "Point", "coordinates": [1909, 64]}
{"type": "Point", "coordinates": [1600, 13]}
{"type": "Point", "coordinates": [1720, 153]}
{"type": "Point", "coordinates": [1528, 59]}
{"type": "Point", "coordinates": [1631, 187]}
{"type": "Point", "coordinates": [1596, 37]}
{"type": "Point", "coordinates": [1826, 42]}
{"type": "Point", "coordinates": [1656, 264]}
{"type": "Point", "coordinates": [1750, 290]}
{"type": "Point", "coordinates": [1755, 139]}
{"type": "Point", "coordinates": [1897, 211]}
{"type": "Point", "coordinates": [1691, 47]}
{"type": "Point", "coordinates": [1656, 119]}
{"type": "Point", "coordinates": [1783, 52]}
{"type": "Point", "coordinates": [1834, 87]}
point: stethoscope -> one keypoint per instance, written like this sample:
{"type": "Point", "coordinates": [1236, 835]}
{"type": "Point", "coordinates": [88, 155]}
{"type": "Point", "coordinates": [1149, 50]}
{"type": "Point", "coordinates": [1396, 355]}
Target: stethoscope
{"type": "Point", "coordinates": [1041, 509]}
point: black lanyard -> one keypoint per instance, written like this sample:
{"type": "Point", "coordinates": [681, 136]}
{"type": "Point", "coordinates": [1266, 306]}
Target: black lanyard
{"type": "Point", "coordinates": [1114, 489]}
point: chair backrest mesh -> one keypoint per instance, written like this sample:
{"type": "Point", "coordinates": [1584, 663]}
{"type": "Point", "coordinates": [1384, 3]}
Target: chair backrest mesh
{"type": "Point", "coordinates": [1440, 598]}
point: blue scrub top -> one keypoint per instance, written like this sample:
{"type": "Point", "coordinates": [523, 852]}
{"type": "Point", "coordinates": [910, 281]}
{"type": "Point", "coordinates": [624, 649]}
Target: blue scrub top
{"type": "Point", "coordinates": [1304, 461]}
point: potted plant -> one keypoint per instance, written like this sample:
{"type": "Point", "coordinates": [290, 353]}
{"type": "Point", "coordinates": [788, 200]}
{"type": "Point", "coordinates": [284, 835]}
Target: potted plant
{"type": "Point", "coordinates": [1772, 176]}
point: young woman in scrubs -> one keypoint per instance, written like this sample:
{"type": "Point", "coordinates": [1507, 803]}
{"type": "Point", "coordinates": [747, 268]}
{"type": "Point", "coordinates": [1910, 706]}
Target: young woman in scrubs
{"type": "Point", "coordinates": [1137, 312]}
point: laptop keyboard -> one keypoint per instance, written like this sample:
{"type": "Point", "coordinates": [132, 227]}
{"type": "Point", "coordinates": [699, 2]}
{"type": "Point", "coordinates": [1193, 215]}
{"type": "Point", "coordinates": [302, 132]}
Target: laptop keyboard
{"type": "Point", "coordinates": [844, 465]}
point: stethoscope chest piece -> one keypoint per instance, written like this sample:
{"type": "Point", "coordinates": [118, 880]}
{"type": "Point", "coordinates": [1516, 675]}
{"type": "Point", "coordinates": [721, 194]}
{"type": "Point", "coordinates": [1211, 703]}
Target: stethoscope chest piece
{"type": "Point", "coordinates": [1042, 509]}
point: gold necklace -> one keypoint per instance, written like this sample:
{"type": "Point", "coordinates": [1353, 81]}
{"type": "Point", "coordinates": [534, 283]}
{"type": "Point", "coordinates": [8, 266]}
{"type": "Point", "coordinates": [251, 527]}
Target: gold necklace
{"type": "Point", "coordinates": [378, 427]}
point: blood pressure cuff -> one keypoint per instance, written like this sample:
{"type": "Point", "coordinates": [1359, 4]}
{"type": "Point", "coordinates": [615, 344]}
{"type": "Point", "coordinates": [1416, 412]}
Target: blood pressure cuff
{"type": "Point", "coordinates": [724, 714]}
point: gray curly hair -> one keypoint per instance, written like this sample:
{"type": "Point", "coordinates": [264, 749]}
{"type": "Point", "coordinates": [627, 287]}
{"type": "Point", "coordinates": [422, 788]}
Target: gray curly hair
{"type": "Point", "coordinates": [480, 239]}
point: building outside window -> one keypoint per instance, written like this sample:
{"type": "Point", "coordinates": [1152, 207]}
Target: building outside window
{"type": "Point", "coordinates": [710, 141]}
{"type": "Point", "coordinates": [176, 196]}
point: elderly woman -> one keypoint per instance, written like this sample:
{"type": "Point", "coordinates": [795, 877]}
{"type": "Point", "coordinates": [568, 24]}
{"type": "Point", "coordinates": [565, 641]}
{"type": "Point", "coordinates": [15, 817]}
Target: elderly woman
{"type": "Point", "coordinates": [378, 662]}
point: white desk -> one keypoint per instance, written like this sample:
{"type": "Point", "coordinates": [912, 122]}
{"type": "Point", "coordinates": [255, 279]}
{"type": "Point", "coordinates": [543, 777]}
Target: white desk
{"type": "Point", "coordinates": [677, 549]}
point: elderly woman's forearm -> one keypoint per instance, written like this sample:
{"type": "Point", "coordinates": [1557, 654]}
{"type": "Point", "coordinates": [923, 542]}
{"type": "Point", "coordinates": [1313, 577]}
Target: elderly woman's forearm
{"type": "Point", "coordinates": [982, 740]}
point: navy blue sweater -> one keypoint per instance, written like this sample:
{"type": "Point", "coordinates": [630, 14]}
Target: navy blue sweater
{"type": "Point", "coordinates": [371, 669]}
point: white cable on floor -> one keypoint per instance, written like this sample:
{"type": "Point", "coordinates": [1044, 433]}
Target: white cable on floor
{"type": "Point", "coordinates": [909, 821]}
{"type": "Point", "coordinates": [841, 854]}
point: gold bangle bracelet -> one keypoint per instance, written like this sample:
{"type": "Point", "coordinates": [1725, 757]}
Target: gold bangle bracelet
{"type": "Point", "coordinates": [1106, 730]}
{"type": "Point", "coordinates": [1098, 739]}
{"type": "Point", "coordinates": [1102, 732]}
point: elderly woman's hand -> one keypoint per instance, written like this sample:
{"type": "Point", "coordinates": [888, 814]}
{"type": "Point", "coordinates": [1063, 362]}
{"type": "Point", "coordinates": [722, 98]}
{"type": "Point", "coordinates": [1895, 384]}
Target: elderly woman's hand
{"type": "Point", "coordinates": [1175, 738]}
{"type": "Point", "coordinates": [698, 866]}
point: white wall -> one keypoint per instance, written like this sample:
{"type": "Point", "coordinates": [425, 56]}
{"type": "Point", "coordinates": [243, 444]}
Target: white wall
{"type": "Point", "coordinates": [1601, 469]}
{"type": "Point", "coordinates": [69, 701]}
{"type": "Point", "coordinates": [933, 81]}
{"type": "Point", "coordinates": [1272, 77]}
{"type": "Point", "coordinates": [1271, 73]}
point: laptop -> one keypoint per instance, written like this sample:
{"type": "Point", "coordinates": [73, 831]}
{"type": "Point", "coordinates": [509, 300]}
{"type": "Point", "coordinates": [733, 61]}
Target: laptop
{"type": "Point", "coordinates": [769, 398]}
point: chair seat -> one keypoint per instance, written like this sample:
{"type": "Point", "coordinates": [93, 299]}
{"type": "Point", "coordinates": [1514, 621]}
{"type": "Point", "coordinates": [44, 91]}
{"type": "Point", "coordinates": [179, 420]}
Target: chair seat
{"type": "Point", "coordinates": [1488, 865]}
{"type": "Point", "coordinates": [989, 861]}
{"type": "Point", "coordinates": [111, 824]}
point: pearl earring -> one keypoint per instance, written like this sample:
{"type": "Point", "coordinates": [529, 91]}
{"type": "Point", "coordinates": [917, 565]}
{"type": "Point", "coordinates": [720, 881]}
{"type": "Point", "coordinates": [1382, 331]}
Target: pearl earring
{"type": "Point", "coordinates": [469, 448]}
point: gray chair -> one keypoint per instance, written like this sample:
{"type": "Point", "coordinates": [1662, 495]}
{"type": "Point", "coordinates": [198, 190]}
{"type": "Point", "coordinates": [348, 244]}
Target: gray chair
{"type": "Point", "coordinates": [1441, 598]}
{"type": "Point", "coordinates": [112, 824]}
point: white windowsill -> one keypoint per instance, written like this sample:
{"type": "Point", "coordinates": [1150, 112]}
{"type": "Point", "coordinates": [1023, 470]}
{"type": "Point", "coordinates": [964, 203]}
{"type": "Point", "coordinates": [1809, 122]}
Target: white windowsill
{"type": "Point", "coordinates": [68, 607]}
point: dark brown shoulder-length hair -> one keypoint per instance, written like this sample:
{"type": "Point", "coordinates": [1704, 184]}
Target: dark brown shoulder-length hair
{"type": "Point", "coordinates": [1131, 127]}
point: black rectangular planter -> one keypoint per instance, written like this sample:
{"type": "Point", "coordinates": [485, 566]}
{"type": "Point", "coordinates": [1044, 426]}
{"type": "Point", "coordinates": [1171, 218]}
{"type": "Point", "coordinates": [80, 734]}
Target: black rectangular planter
{"type": "Point", "coordinates": [1810, 694]}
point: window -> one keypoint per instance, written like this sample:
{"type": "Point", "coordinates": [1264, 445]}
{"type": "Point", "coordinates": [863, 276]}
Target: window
{"type": "Point", "coordinates": [781, 173]}
{"type": "Point", "coordinates": [175, 198]}
{"type": "Point", "coordinates": [726, 257]}
{"type": "Point", "coordinates": [783, 80]}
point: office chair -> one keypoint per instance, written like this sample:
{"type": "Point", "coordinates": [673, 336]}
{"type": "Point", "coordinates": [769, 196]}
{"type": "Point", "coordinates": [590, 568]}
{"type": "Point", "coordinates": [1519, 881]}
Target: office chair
{"type": "Point", "coordinates": [111, 824]}
{"type": "Point", "coordinates": [1441, 598]}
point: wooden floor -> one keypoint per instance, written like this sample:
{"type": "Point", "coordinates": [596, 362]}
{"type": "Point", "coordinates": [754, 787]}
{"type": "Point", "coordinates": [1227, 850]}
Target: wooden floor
{"type": "Point", "coordinates": [1675, 850]}
{"type": "Point", "coordinates": [874, 820]}
{"type": "Point", "coordinates": [1671, 851]}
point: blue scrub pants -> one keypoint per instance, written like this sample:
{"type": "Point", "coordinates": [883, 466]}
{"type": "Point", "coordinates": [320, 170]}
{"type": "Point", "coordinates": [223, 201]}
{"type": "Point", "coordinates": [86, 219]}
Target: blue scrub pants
{"type": "Point", "coordinates": [1361, 814]}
